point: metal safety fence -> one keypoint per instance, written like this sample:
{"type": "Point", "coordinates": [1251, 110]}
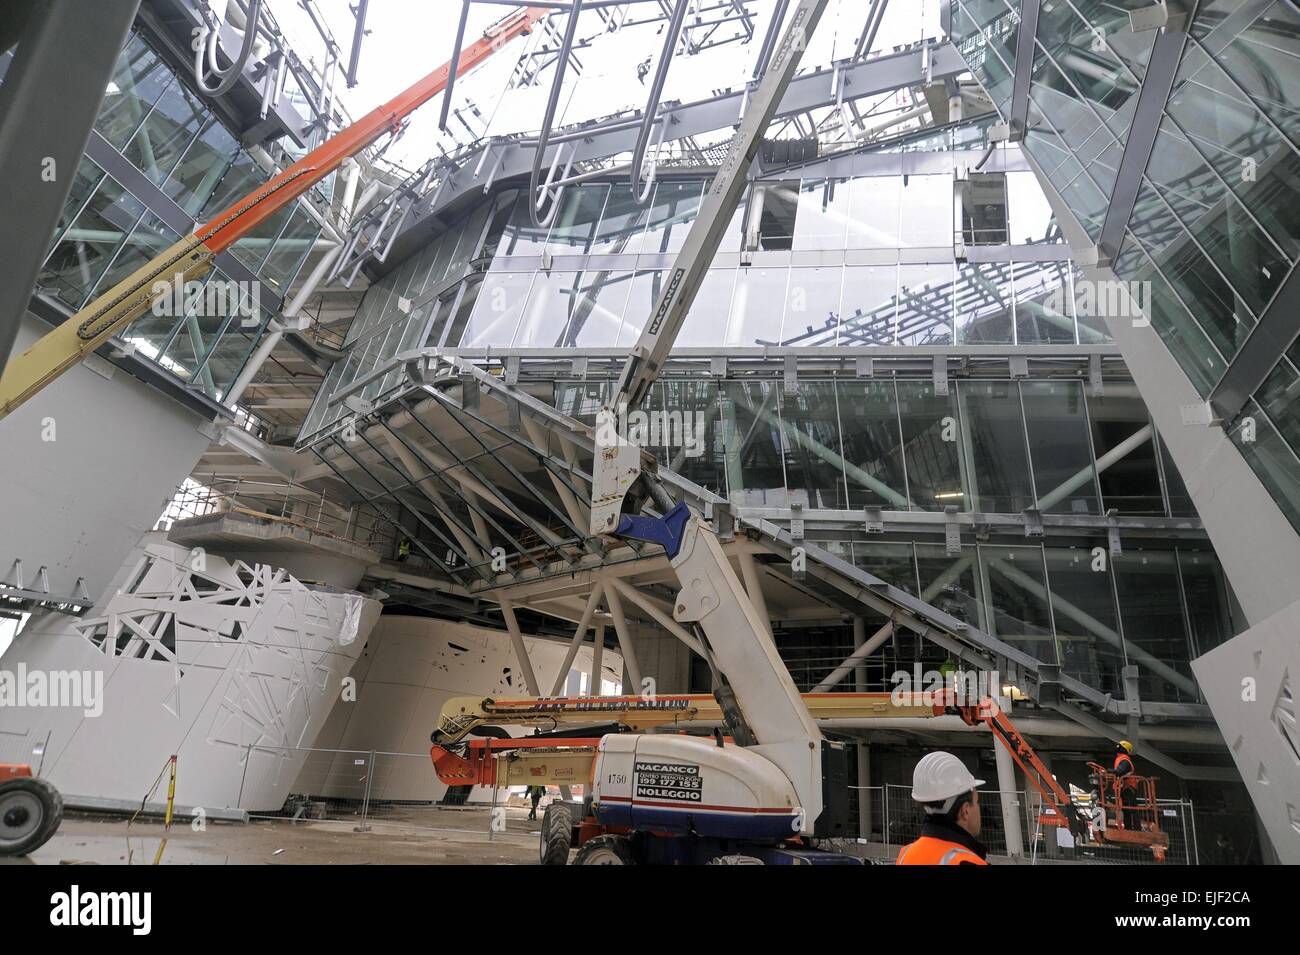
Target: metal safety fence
{"type": "Point", "coordinates": [902, 819]}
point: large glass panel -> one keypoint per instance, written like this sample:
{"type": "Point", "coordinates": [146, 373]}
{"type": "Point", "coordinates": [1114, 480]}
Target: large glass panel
{"type": "Point", "coordinates": [874, 205]}
{"type": "Point", "coordinates": [598, 310]}
{"type": "Point", "coordinates": [998, 466]}
{"type": "Point", "coordinates": [641, 300]}
{"type": "Point", "coordinates": [83, 184]}
{"type": "Point", "coordinates": [1273, 462]}
{"type": "Point", "coordinates": [1083, 608]}
{"type": "Point", "coordinates": [925, 297]}
{"type": "Point", "coordinates": [1018, 598]}
{"type": "Point", "coordinates": [812, 306]}
{"type": "Point", "coordinates": [1130, 481]}
{"type": "Point", "coordinates": [752, 446]}
{"type": "Point", "coordinates": [984, 303]}
{"type": "Point", "coordinates": [621, 224]}
{"type": "Point", "coordinates": [546, 315]}
{"type": "Point", "coordinates": [1224, 317]}
{"type": "Point", "coordinates": [205, 318]}
{"type": "Point", "coordinates": [1029, 215]}
{"type": "Point", "coordinates": [166, 132]}
{"type": "Point", "coordinates": [930, 440]}
{"type": "Point", "coordinates": [873, 445]}
{"type": "Point", "coordinates": [256, 245]}
{"type": "Point", "coordinates": [893, 563]}
{"type": "Point", "coordinates": [1170, 319]}
{"type": "Point", "coordinates": [138, 79]}
{"type": "Point", "coordinates": [824, 214]}
{"type": "Point", "coordinates": [670, 216]}
{"type": "Point", "coordinates": [1152, 614]}
{"type": "Point", "coordinates": [520, 236]}
{"type": "Point", "coordinates": [1261, 61]}
{"type": "Point", "coordinates": [1057, 425]}
{"type": "Point", "coordinates": [148, 239]}
{"type": "Point", "coordinates": [814, 463]}
{"type": "Point", "coordinates": [708, 312]}
{"type": "Point", "coordinates": [201, 169]}
{"type": "Point", "coordinates": [239, 179]}
{"type": "Point", "coordinates": [233, 348]}
{"type": "Point", "coordinates": [927, 211]}
{"type": "Point", "coordinates": [949, 584]}
{"type": "Point", "coordinates": [700, 457]}
{"type": "Point", "coordinates": [1044, 304]}
{"type": "Point", "coordinates": [493, 307]}
{"type": "Point", "coordinates": [90, 243]}
{"type": "Point", "coordinates": [470, 230]}
{"type": "Point", "coordinates": [1202, 201]}
{"type": "Point", "coordinates": [776, 204]}
{"type": "Point", "coordinates": [756, 307]}
{"type": "Point", "coordinates": [869, 305]}
{"type": "Point", "coordinates": [290, 250]}
{"type": "Point", "coordinates": [575, 223]}
{"type": "Point", "coordinates": [1209, 598]}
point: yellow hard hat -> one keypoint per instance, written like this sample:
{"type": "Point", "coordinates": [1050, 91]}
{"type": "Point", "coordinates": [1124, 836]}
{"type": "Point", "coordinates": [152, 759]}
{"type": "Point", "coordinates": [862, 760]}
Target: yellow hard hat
{"type": "Point", "coordinates": [1126, 746]}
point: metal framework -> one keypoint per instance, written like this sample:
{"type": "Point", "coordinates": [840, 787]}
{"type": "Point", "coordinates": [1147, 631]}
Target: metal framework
{"type": "Point", "coordinates": [38, 158]}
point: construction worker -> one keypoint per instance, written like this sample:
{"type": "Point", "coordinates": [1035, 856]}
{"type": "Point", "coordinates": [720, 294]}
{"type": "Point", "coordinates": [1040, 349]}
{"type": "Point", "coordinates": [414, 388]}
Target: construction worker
{"type": "Point", "coordinates": [1123, 765]}
{"type": "Point", "coordinates": [534, 794]}
{"type": "Point", "coordinates": [949, 794]}
{"type": "Point", "coordinates": [1123, 770]}
{"type": "Point", "coordinates": [403, 549]}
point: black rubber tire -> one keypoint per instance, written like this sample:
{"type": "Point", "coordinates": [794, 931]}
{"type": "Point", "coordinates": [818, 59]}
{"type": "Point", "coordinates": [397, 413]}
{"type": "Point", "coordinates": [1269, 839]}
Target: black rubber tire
{"type": "Point", "coordinates": [605, 850]}
{"type": "Point", "coordinates": [19, 797]}
{"type": "Point", "coordinates": [556, 837]}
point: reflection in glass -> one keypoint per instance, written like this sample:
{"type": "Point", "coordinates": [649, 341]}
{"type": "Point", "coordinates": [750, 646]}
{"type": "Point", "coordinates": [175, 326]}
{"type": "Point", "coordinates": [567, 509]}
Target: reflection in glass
{"type": "Point", "coordinates": [998, 466]}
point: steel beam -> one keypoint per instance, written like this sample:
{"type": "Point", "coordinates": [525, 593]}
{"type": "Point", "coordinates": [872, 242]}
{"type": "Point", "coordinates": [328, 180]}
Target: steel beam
{"type": "Point", "coordinates": [714, 215]}
{"type": "Point", "coordinates": [1018, 111]}
{"type": "Point", "coordinates": [1277, 328]}
{"type": "Point", "coordinates": [48, 103]}
{"type": "Point", "coordinates": [1162, 68]}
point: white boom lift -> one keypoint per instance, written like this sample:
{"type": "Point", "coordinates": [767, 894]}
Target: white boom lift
{"type": "Point", "coordinates": [770, 783]}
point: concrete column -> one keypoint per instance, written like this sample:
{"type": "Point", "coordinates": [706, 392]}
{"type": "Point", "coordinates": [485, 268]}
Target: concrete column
{"type": "Point", "coordinates": [859, 638]}
{"type": "Point", "coordinates": [1010, 804]}
{"type": "Point", "coordinates": [597, 653]}
{"type": "Point", "coordinates": [864, 790]}
{"type": "Point", "coordinates": [521, 651]}
{"type": "Point", "coordinates": [632, 684]}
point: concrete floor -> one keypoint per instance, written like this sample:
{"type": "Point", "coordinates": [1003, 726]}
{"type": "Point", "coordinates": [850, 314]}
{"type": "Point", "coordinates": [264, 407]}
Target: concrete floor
{"type": "Point", "coordinates": [415, 836]}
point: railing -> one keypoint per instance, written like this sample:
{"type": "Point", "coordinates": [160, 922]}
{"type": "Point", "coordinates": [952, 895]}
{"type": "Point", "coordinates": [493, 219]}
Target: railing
{"type": "Point", "coordinates": [902, 818]}
{"type": "Point", "coordinates": [283, 503]}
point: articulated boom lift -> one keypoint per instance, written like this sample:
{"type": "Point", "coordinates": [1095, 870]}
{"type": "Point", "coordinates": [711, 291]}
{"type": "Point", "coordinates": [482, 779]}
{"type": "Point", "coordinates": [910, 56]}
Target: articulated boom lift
{"type": "Point", "coordinates": [680, 798]}
{"type": "Point", "coordinates": [192, 257]}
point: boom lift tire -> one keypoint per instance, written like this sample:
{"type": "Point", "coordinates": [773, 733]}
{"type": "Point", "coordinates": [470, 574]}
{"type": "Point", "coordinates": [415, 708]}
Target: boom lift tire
{"type": "Point", "coordinates": [557, 834]}
{"type": "Point", "coordinates": [606, 850]}
{"type": "Point", "coordinates": [30, 812]}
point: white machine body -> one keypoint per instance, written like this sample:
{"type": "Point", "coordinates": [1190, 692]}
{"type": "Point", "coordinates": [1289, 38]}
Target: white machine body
{"type": "Point", "coordinates": [681, 784]}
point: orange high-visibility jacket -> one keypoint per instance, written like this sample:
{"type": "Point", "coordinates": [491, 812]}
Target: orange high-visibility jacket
{"type": "Point", "coordinates": [929, 850]}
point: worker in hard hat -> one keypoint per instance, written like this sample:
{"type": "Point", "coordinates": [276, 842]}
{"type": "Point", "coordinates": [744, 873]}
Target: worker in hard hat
{"type": "Point", "coordinates": [949, 794]}
{"type": "Point", "coordinates": [1123, 768]}
{"type": "Point", "coordinates": [1123, 765]}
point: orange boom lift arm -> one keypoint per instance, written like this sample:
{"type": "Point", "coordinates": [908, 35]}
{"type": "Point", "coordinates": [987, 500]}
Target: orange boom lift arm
{"type": "Point", "coordinates": [192, 256]}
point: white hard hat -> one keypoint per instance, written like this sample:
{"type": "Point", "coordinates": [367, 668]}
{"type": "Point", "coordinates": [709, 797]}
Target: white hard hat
{"type": "Point", "coordinates": [941, 777]}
